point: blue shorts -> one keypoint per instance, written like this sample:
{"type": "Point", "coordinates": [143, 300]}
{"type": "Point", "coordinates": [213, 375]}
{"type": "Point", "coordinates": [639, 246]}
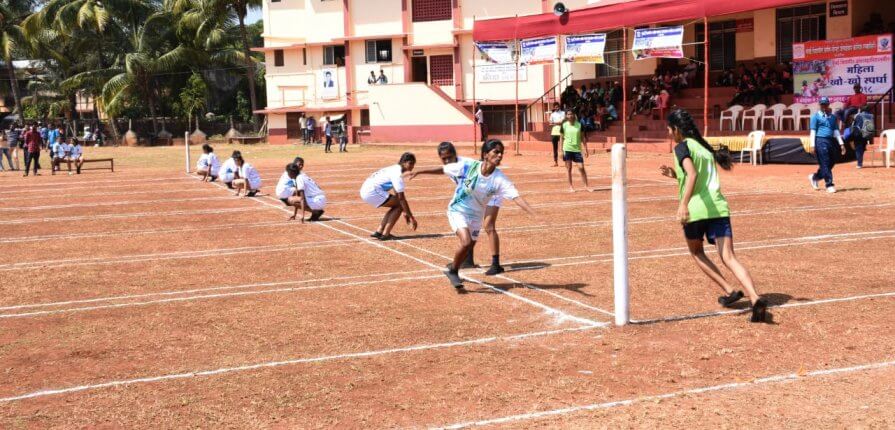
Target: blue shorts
{"type": "Point", "coordinates": [710, 229]}
{"type": "Point", "coordinates": [574, 157]}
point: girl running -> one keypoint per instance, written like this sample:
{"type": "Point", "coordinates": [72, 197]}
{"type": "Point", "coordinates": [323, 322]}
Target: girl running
{"type": "Point", "coordinates": [572, 134]}
{"type": "Point", "coordinates": [228, 170]}
{"type": "Point", "coordinates": [247, 178]}
{"type": "Point", "coordinates": [448, 155]}
{"type": "Point", "coordinates": [703, 210]}
{"type": "Point", "coordinates": [385, 189]}
{"type": "Point", "coordinates": [208, 165]}
{"type": "Point", "coordinates": [478, 182]}
{"type": "Point", "coordinates": [298, 190]}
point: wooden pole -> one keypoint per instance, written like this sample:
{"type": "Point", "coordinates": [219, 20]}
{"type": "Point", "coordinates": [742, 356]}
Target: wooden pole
{"type": "Point", "coordinates": [705, 65]}
{"type": "Point", "coordinates": [624, 85]}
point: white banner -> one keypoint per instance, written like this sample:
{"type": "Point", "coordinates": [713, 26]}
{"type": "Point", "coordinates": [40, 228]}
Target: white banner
{"type": "Point", "coordinates": [328, 83]}
{"type": "Point", "coordinates": [500, 73]}
{"type": "Point", "coordinates": [831, 68]}
{"type": "Point", "coordinates": [538, 51]}
{"type": "Point", "coordinates": [660, 42]}
{"type": "Point", "coordinates": [584, 48]}
{"type": "Point", "coordinates": [496, 52]}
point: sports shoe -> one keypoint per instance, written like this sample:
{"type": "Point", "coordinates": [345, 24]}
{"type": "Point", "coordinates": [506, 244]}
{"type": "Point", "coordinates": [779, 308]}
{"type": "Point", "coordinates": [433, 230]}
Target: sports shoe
{"type": "Point", "coordinates": [831, 189]}
{"type": "Point", "coordinates": [728, 300]}
{"type": "Point", "coordinates": [376, 234]}
{"type": "Point", "coordinates": [759, 311]}
{"type": "Point", "coordinates": [454, 277]}
{"type": "Point", "coordinates": [859, 167]}
{"type": "Point", "coordinates": [494, 270]}
{"type": "Point", "coordinates": [813, 182]}
{"type": "Point", "coordinates": [315, 215]}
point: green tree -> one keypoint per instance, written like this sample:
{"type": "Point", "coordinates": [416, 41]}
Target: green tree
{"type": "Point", "coordinates": [192, 97]}
{"type": "Point", "coordinates": [243, 112]}
{"type": "Point", "coordinates": [12, 39]}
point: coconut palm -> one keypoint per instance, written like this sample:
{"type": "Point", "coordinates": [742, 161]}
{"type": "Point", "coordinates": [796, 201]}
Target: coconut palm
{"type": "Point", "coordinates": [12, 39]}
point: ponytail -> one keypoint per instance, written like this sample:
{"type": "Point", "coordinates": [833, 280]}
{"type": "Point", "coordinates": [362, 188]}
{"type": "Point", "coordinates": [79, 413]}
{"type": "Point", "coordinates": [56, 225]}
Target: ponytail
{"type": "Point", "coordinates": [682, 121]}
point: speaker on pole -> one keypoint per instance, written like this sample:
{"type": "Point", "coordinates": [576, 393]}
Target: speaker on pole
{"type": "Point", "coordinates": [560, 9]}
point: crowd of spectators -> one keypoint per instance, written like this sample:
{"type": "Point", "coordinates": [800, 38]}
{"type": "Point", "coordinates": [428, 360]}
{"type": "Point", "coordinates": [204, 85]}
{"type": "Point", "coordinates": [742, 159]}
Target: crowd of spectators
{"type": "Point", "coordinates": [761, 83]}
{"type": "Point", "coordinates": [595, 105]}
{"type": "Point", "coordinates": [33, 138]}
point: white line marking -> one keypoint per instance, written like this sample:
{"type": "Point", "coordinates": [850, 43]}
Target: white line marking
{"type": "Point", "coordinates": [116, 193]}
{"type": "Point", "coordinates": [124, 215]}
{"type": "Point", "coordinates": [722, 387]}
{"type": "Point", "coordinates": [125, 203]}
{"type": "Point", "coordinates": [272, 364]}
{"type": "Point", "coordinates": [141, 232]}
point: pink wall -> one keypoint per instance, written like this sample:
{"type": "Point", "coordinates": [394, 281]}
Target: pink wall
{"type": "Point", "coordinates": [418, 133]}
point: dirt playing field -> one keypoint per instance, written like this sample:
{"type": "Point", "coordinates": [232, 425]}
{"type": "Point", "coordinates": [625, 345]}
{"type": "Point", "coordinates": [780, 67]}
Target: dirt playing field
{"type": "Point", "coordinates": [145, 298]}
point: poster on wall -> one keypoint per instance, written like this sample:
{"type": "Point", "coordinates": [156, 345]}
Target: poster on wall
{"type": "Point", "coordinates": [328, 83]}
{"type": "Point", "coordinates": [584, 48]}
{"type": "Point", "coordinates": [540, 50]}
{"type": "Point", "coordinates": [659, 42]}
{"type": "Point", "coordinates": [831, 68]}
{"type": "Point", "coordinates": [500, 73]}
{"type": "Point", "coordinates": [496, 52]}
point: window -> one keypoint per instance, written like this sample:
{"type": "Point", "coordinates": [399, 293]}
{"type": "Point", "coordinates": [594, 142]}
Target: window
{"type": "Point", "coordinates": [613, 58]}
{"type": "Point", "coordinates": [379, 51]}
{"type": "Point", "coordinates": [304, 56]}
{"type": "Point", "coordinates": [431, 10]}
{"type": "Point", "coordinates": [441, 68]}
{"type": "Point", "coordinates": [722, 44]}
{"type": "Point", "coordinates": [334, 55]}
{"type": "Point", "coordinates": [799, 24]}
{"type": "Point", "coordinates": [278, 60]}
{"type": "Point", "coordinates": [365, 118]}
{"type": "Point", "coordinates": [274, 1]}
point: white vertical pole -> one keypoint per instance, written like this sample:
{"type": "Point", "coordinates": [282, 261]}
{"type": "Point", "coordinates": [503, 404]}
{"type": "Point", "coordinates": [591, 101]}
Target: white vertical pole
{"type": "Point", "coordinates": [186, 147]}
{"type": "Point", "coordinates": [620, 233]}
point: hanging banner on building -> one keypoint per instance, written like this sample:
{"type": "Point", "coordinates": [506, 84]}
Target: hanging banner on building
{"type": "Point", "coordinates": [328, 83]}
{"type": "Point", "coordinates": [584, 48]}
{"type": "Point", "coordinates": [831, 68]}
{"type": "Point", "coordinates": [538, 51]}
{"type": "Point", "coordinates": [659, 42]}
{"type": "Point", "coordinates": [496, 52]}
{"type": "Point", "coordinates": [500, 73]}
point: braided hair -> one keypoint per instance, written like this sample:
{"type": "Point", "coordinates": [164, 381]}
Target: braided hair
{"type": "Point", "coordinates": [682, 121]}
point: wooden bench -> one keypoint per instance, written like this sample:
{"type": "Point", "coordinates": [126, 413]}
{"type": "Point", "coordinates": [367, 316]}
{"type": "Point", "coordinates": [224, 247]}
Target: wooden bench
{"type": "Point", "coordinates": [111, 162]}
{"type": "Point", "coordinates": [246, 139]}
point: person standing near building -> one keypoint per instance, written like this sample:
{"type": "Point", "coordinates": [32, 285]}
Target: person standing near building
{"type": "Point", "coordinates": [343, 136]}
{"type": "Point", "coordinates": [310, 130]}
{"type": "Point", "coordinates": [824, 128]}
{"type": "Point", "coordinates": [556, 119]}
{"type": "Point", "coordinates": [382, 79]}
{"type": "Point", "coordinates": [33, 145]}
{"type": "Point", "coordinates": [372, 80]}
{"type": "Point", "coordinates": [302, 125]}
{"type": "Point", "coordinates": [328, 133]}
{"type": "Point", "coordinates": [480, 120]}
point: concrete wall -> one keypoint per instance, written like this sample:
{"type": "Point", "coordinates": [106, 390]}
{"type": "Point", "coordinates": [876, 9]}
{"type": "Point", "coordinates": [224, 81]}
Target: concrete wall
{"type": "Point", "coordinates": [375, 18]}
{"type": "Point", "coordinates": [412, 104]}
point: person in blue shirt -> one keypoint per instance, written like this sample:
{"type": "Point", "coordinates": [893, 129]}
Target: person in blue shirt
{"type": "Point", "coordinates": [824, 128]}
{"type": "Point", "coordinates": [328, 133]}
{"type": "Point", "coordinates": [862, 131]}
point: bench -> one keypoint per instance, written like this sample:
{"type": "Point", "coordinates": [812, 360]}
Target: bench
{"type": "Point", "coordinates": [246, 139]}
{"type": "Point", "coordinates": [111, 162]}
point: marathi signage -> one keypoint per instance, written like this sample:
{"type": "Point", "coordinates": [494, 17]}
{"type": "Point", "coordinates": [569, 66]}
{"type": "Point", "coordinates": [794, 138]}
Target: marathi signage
{"type": "Point", "coordinates": [746, 25]}
{"type": "Point", "coordinates": [659, 42]}
{"type": "Point", "coordinates": [538, 51]}
{"type": "Point", "coordinates": [838, 8]}
{"type": "Point", "coordinates": [500, 73]}
{"type": "Point", "coordinates": [496, 52]}
{"type": "Point", "coordinates": [584, 48]}
{"type": "Point", "coordinates": [831, 68]}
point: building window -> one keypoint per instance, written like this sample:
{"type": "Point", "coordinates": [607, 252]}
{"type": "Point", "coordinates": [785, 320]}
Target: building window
{"type": "Point", "coordinates": [613, 59]}
{"type": "Point", "coordinates": [431, 10]}
{"type": "Point", "coordinates": [334, 55]}
{"type": "Point", "coordinates": [304, 56]}
{"type": "Point", "coordinates": [379, 51]}
{"type": "Point", "coordinates": [799, 24]}
{"type": "Point", "coordinates": [365, 118]}
{"type": "Point", "coordinates": [722, 44]}
{"type": "Point", "coordinates": [278, 59]}
{"type": "Point", "coordinates": [441, 69]}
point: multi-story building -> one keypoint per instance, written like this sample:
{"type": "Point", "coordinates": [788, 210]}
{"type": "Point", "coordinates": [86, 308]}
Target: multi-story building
{"type": "Point", "coordinates": [320, 55]}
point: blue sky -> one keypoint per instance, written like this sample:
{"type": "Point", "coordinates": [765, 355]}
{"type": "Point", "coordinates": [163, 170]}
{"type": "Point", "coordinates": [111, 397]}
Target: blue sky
{"type": "Point", "coordinates": [253, 16]}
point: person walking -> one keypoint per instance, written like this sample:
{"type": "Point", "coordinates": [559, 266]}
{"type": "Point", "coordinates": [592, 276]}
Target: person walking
{"type": "Point", "coordinates": [556, 119]}
{"type": "Point", "coordinates": [328, 132]}
{"type": "Point", "coordinates": [863, 130]}
{"type": "Point", "coordinates": [33, 145]}
{"type": "Point", "coordinates": [824, 127]}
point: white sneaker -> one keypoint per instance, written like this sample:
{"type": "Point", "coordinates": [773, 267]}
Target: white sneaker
{"type": "Point", "coordinates": [858, 167]}
{"type": "Point", "coordinates": [831, 190]}
{"type": "Point", "coordinates": [813, 182]}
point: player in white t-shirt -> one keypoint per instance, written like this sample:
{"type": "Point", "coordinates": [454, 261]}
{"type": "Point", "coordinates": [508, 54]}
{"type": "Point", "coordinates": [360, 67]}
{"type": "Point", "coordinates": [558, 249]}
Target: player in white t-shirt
{"type": "Point", "coordinates": [76, 155]}
{"type": "Point", "coordinates": [227, 172]}
{"type": "Point", "coordinates": [298, 190]}
{"type": "Point", "coordinates": [61, 152]}
{"type": "Point", "coordinates": [208, 165]}
{"type": "Point", "coordinates": [478, 182]}
{"type": "Point", "coordinates": [385, 189]}
{"type": "Point", "coordinates": [448, 154]}
{"type": "Point", "coordinates": [247, 178]}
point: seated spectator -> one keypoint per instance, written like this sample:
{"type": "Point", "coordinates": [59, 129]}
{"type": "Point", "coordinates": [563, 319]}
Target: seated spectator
{"type": "Point", "coordinates": [61, 152]}
{"type": "Point", "coordinates": [745, 91]}
{"type": "Point", "coordinates": [76, 155]}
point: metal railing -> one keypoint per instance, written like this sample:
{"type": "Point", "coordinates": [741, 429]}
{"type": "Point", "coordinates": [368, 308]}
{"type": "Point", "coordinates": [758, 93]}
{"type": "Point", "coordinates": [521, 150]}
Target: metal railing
{"type": "Point", "coordinates": [543, 101]}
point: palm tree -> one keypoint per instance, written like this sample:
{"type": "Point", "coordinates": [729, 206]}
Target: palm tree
{"type": "Point", "coordinates": [12, 12]}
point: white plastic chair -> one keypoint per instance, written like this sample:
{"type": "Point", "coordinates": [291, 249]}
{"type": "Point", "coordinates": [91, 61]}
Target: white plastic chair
{"type": "Point", "coordinates": [791, 113]}
{"type": "Point", "coordinates": [773, 114]}
{"type": "Point", "coordinates": [754, 142]}
{"type": "Point", "coordinates": [806, 113]}
{"type": "Point", "coordinates": [886, 146]}
{"type": "Point", "coordinates": [730, 114]}
{"type": "Point", "coordinates": [753, 115]}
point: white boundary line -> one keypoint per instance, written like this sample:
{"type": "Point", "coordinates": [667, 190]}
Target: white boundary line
{"type": "Point", "coordinates": [272, 364]}
{"type": "Point", "coordinates": [124, 203]}
{"type": "Point", "coordinates": [142, 232]}
{"type": "Point", "coordinates": [628, 402]}
{"type": "Point", "coordinates": [115, 193]}
{"type": "Point", "coordinates": [125, 215]}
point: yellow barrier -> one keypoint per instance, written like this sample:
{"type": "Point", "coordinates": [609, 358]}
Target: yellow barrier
{"type": "Point", "coordinates": [737, 143]}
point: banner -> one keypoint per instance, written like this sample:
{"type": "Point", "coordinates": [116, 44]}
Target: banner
{"type": "Point", "coordinates": [328, 83]}
{"type": "Point", "coordinates": [831, 68]}
{"type": "Point", "coordinates": [496, 52]}
{"type": "Point", "coordinates": [584, 48]}
{"type": "Point", "coordinates": [500, 73]}
{"type": "Point", "coordinates": [660, 42]}
{"type": "Point", "coordinates": [538, 51]}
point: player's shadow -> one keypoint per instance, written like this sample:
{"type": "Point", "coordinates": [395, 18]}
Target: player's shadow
{"type": "Point", "coordinates": [848, 190]}
{"type": "Point", "coordinates": [774, 300]}
{"type": "Point", "coordinates": [529, 265]}
{"type": "Point", "coordinates": [507, 286]}
{"type": "Point", "coordinates": [420, 236]}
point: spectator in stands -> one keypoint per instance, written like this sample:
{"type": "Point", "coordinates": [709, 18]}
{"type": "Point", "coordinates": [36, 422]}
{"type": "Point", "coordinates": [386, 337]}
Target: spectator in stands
{"type": "Point", "coordinates": [61, 153]}
{"type": "Point", "coordinates": [76, 155]}
{"type": "Point", "coordinates": [690, 71]}
{"type": "Point", "coordinates": [569, 97]}
{"type": "Point", "coordinates": [726, 78]}
{"type": "Point", "coordinates": [613, 114]}
{"type": "Point", "coordinates": [615, 94]}
{"type": "Point", "coordinates": [33, 145]}
{"type": "Point", "coordinates": [13, 136]}
{"type": "Point", "coordinates": [745, 91]}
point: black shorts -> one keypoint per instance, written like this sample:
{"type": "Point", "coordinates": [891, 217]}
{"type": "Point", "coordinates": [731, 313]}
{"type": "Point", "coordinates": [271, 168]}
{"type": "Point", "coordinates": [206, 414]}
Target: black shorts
{"type": "Point", "coordinates": [285, 201]}
{"type": "Point", "coordinates": [574, 157]}
{"type": "Point", "coordinates": [710, 229]}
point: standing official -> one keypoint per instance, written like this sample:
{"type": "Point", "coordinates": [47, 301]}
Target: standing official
{"type": "Point", "coordinates": [824, 129]}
